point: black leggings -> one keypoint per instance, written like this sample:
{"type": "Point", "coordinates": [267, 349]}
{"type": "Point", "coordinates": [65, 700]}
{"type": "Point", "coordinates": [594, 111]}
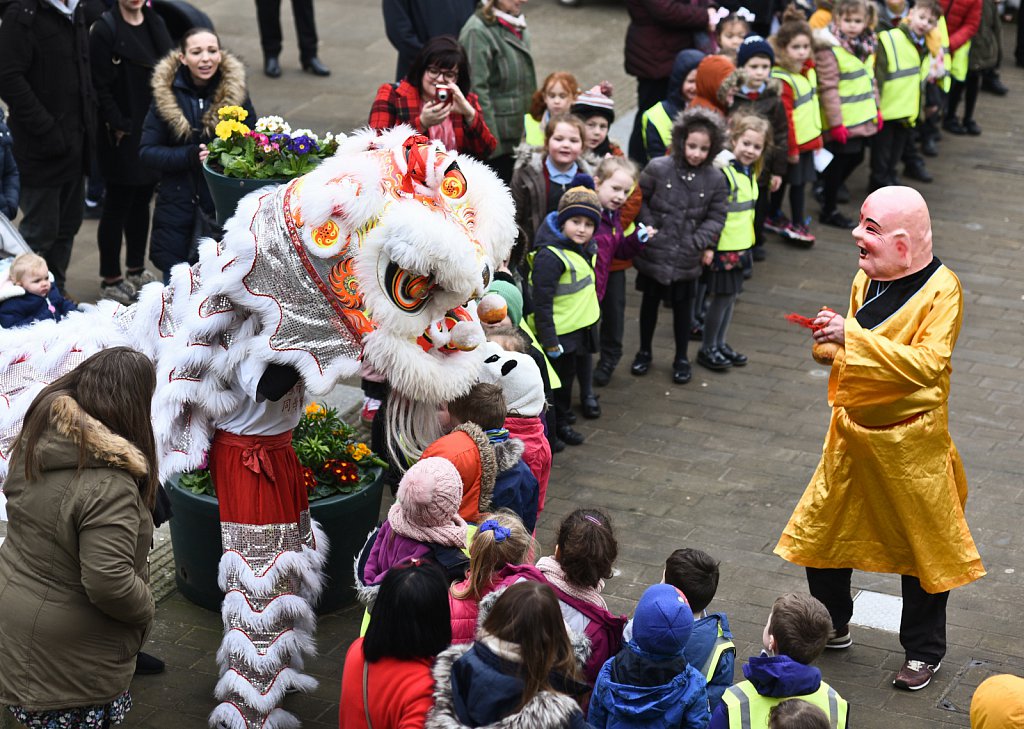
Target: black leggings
{"type": "Point", "coordinates": [716, 322]}
{"type": "Point", "coordinates": [796, 202]}
{"type": "Point", "coordinates": [842, 166]}
{"type": "Point", "coordinates": [968, 88]}
{"type": "Point", "coordinates": [578, 365]}
{"type": "Point", "coordinates": [682, 321]}
{"type": "Point", "coordinates": [125, 216]}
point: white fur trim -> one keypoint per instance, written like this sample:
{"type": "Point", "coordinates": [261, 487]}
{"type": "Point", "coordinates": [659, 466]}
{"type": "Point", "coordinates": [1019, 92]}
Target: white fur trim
{"type": "Point", "coordinates": [286, 647]}
{"type": "Point", "coordinates": [228, 716]}
{"type": "Point", "coordinates": [284, 608]}
{"type": "Point", "coordinates": [232, 683]}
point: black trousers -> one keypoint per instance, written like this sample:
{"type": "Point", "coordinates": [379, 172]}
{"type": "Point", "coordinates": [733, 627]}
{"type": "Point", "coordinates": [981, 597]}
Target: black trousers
{"type": "Point", "coordinates": [125, 216]}
{"type": "Point", "coordinates": [968, 90]}
{"type": "Point", "coordinates": [649, 91]}
{"type": "Point", "coordinates": [886, 152]}
{"type": "Point", "coordinates": [922, 625]}
{"type": "Point", "coordinates": [613, 321]}
{"type": "Point", "coordinates": [268, 15]}
{"type": "Point", "coordinates": [682, 303]}
{"type": "Point", "coordinates": [51, 217]}
{"type": "Point", "coordinates": [577, 365]}
{"type": "Point", "coordinates": [840, 168]}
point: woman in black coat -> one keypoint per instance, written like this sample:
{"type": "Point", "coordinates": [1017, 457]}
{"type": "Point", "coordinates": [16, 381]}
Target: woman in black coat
{"type": "Point", "coordinates": [125, 45]}
{"type": "Point", "coordinates": [189, 86]}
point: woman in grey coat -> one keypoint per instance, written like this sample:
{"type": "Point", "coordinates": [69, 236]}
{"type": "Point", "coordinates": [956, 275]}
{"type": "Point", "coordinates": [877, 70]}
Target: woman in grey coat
{"type": "Point", "coordinates": [685, 200]}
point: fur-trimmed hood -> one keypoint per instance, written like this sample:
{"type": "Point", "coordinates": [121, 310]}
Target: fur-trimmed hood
{"type": "Point", "coordinates": [230, 91]}
{"type": "Point", "coordinates": [546, 710]}
{"type": "Point", "coordinates": [704, 118]}
{"type": "Point", "coordinates": [73, 426]}
{"type": "Point", "coordinates": [824, 39]}
{"type": "Point", "coordinates": [507, 454]}
{"type": "Point", "coordinates": [738, 77]}
{"type": "Point", "coordinates": [488, 462]}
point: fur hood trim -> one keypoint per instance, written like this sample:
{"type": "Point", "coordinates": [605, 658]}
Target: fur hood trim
{"type": "Point", "coordinates": [488, 463]}
{"type": "Point", "coordinates": [704, 118]}
{"type": "Point", "coordinates": [508, 453]}
{"type": "Point", "coordinates": [100, 442]}
{"type": "Point", "coordinates": [546, 709]}
{"type": "Point", "coordinates": [738, 77]}
{"type": "Point", "coordinates": [230, 92]}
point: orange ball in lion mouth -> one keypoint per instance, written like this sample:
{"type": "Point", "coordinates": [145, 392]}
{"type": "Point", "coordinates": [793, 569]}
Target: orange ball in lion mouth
{"type": "Point", "coordinates": [492, 309]}
{"type": "Point", "coordinates": [825, 352]}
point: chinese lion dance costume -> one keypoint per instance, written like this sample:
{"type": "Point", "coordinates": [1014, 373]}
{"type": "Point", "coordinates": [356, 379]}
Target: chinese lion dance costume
{"type": "Point", "coordinates": [369, 260]}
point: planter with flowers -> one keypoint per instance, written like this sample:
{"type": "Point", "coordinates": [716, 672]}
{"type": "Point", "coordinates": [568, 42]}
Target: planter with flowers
{"type": "Point", "coordinates": [243, 160]}
{"type": "Point", "coordinates": [343, 479]}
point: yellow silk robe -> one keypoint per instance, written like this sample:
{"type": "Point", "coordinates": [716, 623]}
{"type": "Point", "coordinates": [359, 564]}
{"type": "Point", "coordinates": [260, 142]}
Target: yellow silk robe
{"type": "Point", "coordinates": [889, 492]}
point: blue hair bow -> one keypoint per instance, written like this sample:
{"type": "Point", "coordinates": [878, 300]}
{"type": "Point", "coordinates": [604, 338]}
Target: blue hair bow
{"type": "Point", "coordinates": [500, 533]}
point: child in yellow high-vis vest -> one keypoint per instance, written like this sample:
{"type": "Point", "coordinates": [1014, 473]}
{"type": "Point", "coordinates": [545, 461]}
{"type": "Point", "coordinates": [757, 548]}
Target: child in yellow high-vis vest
{"type": "Point", "coordinates": [749, 136]}
{"type": "Point", "coordinates": [795, 636]}
{"type": "Point", "coordinates": [902, 64]}
{"type": "Point", "coordinates": [844, 57]}
{"type": "Point", "coordinates": [794, 66]}
{"type": "Point", "coordinates": [555, 96]}
{"type": "Point", "coordinates": [565, 304]}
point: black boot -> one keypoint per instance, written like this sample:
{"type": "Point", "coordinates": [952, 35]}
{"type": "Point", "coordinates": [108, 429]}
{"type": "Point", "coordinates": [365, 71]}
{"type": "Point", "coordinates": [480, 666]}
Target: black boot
{"type": "Point", "coordinates": [272, 67]}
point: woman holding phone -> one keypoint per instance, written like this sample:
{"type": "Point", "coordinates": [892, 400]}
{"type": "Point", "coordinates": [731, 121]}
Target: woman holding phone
{"type": "Point", "coordinates": [435, 99]}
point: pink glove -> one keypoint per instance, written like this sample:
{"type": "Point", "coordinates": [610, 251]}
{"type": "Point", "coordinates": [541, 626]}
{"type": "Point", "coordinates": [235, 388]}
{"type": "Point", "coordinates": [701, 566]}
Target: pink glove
{"type": "Point", "coordinates": [881, 122]}
{"type": "Point", "coordinates": [840, 134]}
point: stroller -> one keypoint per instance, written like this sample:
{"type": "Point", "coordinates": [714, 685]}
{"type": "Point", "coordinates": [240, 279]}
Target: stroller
{"type": "Point", "coordinates": [11, 242]}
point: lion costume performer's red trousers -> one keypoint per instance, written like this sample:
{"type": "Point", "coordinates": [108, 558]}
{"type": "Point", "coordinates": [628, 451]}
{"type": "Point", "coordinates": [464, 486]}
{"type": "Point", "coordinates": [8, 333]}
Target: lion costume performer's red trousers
{"type": "Point", "coordinates": [271, 573]}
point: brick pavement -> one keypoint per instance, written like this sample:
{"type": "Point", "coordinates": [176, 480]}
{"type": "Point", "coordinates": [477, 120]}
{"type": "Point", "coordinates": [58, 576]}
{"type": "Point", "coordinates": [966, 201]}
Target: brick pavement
{"type": "Point", "coordinates": [718, 463]}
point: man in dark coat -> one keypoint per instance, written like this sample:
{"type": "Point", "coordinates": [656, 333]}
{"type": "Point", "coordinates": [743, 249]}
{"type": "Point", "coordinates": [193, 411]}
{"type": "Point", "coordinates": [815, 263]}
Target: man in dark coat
{"type": "Point", "coordinates": [409, 24]}
{"type": "Point", "coordinates": [45, 81]}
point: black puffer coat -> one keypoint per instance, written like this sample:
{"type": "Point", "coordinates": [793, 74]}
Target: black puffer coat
{"type": "Point", "coordinates": [686, 204]}
{"type": "Point", "coordinates": [45, 81]}
{"type": "Point", "coordinates": [181, 118]}
{"type": "Point", "coordinates": [122, 70]}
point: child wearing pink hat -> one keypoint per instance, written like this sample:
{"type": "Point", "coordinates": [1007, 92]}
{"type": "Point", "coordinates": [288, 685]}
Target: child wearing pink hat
{"type": "Point", "coordinates": [424, 522]}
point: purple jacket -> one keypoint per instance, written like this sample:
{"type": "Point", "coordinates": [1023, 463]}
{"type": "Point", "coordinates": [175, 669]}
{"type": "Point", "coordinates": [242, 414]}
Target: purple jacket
{"type": "Point", "coordinates": [611, 243]}
{"type": "Point", "coordinates": [603, 630]}
{"type": "Point", "coordinates": [390, 548]}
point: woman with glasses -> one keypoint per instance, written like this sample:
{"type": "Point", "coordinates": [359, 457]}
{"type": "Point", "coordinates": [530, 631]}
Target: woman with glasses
{"type": "Point", "coordinates": [435, 99]}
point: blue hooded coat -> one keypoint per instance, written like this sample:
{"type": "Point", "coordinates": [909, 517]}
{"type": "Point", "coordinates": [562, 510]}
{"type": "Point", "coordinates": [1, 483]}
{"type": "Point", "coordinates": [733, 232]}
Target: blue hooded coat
{"type": "Point", "coordinates": [639, 689]}
{"type": "Point", "coordinates": [685, 62]}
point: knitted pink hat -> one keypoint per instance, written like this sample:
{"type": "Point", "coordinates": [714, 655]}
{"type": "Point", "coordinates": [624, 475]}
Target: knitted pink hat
{"type": "Point", "coordinates": [427, 509]}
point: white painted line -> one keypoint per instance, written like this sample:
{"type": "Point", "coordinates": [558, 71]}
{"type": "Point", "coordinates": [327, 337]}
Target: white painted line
{"type": "Point", "coordinates": [876, 610]}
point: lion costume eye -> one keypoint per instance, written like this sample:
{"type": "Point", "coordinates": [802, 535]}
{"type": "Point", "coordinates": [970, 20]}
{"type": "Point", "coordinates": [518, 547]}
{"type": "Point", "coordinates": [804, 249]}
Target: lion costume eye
{"type": "Point", "coordinates": [407, 291]}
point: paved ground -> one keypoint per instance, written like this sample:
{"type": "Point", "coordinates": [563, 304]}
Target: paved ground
{"type": "Point", "coordinates": [718, 463]}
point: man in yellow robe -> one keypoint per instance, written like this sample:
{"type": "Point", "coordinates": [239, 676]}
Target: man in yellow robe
{"type": "Point", "coordinates": [889, 492]}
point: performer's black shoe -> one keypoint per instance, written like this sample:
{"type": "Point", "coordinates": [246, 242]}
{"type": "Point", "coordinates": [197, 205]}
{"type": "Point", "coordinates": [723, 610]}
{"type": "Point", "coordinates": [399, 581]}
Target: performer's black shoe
{"type": "Point", "coordinates": [272, 67]}
{"type": "Point", "coordinates": [315, 66]}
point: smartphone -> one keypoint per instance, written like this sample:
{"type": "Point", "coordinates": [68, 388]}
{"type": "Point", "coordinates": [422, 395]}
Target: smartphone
{"type": "Point", "coordinates": [443, 95]}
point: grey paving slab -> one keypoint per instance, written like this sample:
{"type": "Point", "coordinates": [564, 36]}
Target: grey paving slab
{"type": "Point", "coordinates": [718, 463]}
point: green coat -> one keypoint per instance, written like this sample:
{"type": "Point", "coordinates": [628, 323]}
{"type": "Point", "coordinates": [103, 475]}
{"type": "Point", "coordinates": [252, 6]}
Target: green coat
{"type": "Point", "coordinates": [501, 69]}
{"type": "Point", "coordinates": [75, 603]}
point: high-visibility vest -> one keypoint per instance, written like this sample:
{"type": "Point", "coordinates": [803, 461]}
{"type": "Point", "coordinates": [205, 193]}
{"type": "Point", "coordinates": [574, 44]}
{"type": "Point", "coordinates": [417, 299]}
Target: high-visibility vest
{"type": "Point", "coordinates": [533, 131]}
{"type": "Point", "coordinates": [749, 709]}
{"type": "Point", "coordinates": [806, 112]}
{"type": "Point", "coordinates": [721, 646]}
{"type": "Point", "coordinates": [947, 56]}
{"type": "Point", "coordinates": [738, 233]}
{"type": "Point", "coordinates": [554, 381]}
{"type": "Point", "coordinates": [856, 92]}
{"type": "Point", "coordinates": [575, 305]}
{"type": "Point", "coordinates": [657, 116]}
{"type": "Point", "coordinates": [958, 67]}
{"type": "Point", "coordinates": [905, 74]}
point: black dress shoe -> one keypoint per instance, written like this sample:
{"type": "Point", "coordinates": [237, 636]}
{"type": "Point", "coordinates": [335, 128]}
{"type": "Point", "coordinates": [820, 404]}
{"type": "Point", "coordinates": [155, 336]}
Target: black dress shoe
{"type": "Point", "coordinates": [272, 67]}
{"type": "Point", "coordinates": [558, 446]}
{"type": "Point", "coordinates": [147, 665]}
{"type": "Point", "coordinates": [972, 127]}
{"type": "Point", "coordinates": [953, 126]}
{"type": "Point", "coordinates": [737, 359]}
{"type": "Point", "coordinates": [316, 67]}
{"type": "Point", "coordinates": [602, 376]}
{"type": "Point", "coordinates": [991, 83]}
{"type": "Point", "coordinates": [929, 148]}
{"type": "Point", "coordinates": [570, 418]}
{"type": "Point", "coordinates": [571, 436]}
{"type": "Point", "coordinates": [681, 371]}
{"type": "Point", "coordinates": [641, 364]}
{"type": "Point", "coordinates": [837, 220]}
{"type": "Point", "coordinates": [713, 360]}
{"type": "Point", "coordinates": [590, 407]}
{"type": "Point", "coordinates": [918, 172]}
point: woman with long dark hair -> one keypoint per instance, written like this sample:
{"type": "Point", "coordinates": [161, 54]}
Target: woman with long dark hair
{"type": "Point", "coordinates": [75, 603]}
